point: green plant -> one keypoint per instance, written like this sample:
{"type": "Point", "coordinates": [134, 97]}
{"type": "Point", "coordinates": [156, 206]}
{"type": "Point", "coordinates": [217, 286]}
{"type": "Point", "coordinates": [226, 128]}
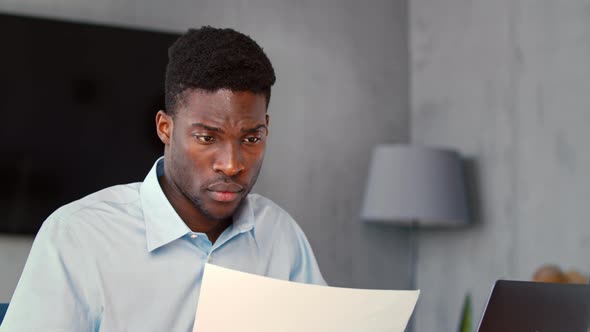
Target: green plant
{"type": "Point", "coordinates": [466, 323]}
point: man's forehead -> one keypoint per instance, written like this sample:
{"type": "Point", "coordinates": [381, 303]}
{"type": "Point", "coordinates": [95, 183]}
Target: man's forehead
{"type": "Point", "coordinates": [223, 108]}
{"type": "Point", "coordinates": [224, 93]}
{"type": "Point", "coordinates": [222, 99]}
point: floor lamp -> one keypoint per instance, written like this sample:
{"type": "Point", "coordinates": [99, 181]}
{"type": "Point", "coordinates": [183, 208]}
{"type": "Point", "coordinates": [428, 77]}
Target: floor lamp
{"type": "Point", "coordinates": [415, 187]}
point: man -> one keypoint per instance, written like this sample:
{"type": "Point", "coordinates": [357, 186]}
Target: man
{"type": "Point", "coordinates": [131, 257]}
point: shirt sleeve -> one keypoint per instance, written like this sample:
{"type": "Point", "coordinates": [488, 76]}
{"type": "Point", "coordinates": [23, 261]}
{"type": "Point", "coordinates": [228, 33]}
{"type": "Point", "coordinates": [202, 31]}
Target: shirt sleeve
{"type": "Point", "coordinates": [305, 268]}
{"type": "Point", "coordinates": [50, 295]}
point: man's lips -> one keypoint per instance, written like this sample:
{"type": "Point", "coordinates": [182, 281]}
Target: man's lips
{"type": "Point", "coordinates": [223, 196]}
{"type": "Point", "coordinates": [224, 191]}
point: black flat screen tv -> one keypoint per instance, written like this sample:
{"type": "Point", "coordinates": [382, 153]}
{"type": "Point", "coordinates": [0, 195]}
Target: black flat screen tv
{"type": "Point", "coordinates": [77, 103]}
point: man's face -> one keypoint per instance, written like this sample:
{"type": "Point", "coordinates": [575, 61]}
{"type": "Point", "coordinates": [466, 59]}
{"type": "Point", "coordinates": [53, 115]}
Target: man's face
{"type": "Point", "coordinates": [215, 147]}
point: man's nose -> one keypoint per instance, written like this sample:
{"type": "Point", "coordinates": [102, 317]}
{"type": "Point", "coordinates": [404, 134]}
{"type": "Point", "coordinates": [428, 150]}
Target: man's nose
{"type": "Point", "coordinates": [229, 161]}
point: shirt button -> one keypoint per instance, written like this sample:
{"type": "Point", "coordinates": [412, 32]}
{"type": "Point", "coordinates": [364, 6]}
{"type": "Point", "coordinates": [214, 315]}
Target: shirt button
{"type": "Point", "coordinates": [193, 236]}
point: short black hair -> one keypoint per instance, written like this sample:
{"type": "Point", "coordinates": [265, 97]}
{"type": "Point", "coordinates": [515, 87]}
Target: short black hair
{"type": "Point", "coordinates": [211, 59]}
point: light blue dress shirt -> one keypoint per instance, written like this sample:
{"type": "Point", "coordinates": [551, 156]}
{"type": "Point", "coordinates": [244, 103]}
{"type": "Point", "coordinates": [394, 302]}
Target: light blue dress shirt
{"type": "Point", "coordinates": [121, 259]}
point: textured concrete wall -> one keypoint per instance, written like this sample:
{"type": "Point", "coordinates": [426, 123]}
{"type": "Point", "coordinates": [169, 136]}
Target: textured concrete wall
{"type": "Point", "coordinates": [506, 82]}
{"type": "Point", "coordinates": [342, 87]}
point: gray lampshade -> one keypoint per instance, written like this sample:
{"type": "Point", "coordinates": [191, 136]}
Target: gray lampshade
{"type": "Point", "coordinates": [409, 184]}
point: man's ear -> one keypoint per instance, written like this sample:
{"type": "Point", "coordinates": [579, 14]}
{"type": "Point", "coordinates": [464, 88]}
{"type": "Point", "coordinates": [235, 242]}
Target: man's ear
{"type": "Point", "coordinates": [164, 126]}
{"type": "Point", "coordinates": [267, 119]}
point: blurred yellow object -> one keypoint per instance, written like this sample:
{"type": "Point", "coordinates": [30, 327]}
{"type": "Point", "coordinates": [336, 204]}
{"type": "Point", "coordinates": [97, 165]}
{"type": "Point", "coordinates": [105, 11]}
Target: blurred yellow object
{"type": "Point", "coordinates": [552, 273]}
{"type": "Point", "coordinates": [575, 277]}
{"type": "Point", "coordinates": [549, 273]}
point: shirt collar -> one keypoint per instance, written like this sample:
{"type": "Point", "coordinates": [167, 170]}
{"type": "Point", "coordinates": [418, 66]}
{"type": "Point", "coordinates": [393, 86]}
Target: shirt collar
{"type": "Point", "coordinates": [163, 225]}
{"type": "Point", "coordinates": [244, 216]}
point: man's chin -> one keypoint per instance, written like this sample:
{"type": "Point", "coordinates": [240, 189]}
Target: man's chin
{"type": "Point", "coordinates": [220, 216]}
{"type": "Point", "coordinates": [221, 211]}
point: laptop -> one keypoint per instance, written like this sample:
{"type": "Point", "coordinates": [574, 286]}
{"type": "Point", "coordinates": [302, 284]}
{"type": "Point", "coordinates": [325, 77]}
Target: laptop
{"type": "Point", "coordinates": [523, 306]}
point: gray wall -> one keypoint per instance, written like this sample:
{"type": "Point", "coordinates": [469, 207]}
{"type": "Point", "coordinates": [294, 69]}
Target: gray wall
{"type": "Point", "coordinates": [507, 83]}
{"type": "Point", "coordinates": [342, 87]}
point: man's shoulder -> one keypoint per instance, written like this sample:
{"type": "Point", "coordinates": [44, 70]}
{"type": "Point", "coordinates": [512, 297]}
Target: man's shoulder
{"type": "Point", "coordinates": [270, 216]}
{"type": "Point", "coordinates": [263, 207]}
{"type": "Point", "coordinates": [110, 199]}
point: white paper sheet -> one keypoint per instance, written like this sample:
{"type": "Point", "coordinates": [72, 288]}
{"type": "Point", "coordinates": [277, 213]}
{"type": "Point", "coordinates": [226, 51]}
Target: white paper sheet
{"type": "Point", "coordinates": [232, 301]}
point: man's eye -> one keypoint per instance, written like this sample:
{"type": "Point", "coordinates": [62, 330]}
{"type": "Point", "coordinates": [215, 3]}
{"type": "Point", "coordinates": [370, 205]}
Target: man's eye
{"type": "Point", "coordinates": [205, 139]}
{"type": "Point", "coordinates": [252, 139]}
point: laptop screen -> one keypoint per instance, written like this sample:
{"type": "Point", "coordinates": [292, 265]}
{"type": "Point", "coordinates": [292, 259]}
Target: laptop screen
{"type": "Point", "coordinates": [522, 306]}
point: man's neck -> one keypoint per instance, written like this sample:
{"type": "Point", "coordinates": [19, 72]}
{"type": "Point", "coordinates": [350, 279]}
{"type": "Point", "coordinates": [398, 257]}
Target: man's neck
{"type": "Point", "coordinates": [190, 214]}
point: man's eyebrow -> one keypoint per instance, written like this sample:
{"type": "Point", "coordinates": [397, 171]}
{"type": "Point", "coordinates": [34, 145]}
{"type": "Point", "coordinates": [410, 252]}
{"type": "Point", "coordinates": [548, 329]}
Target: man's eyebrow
{"type": "Point", "coordinates": [206, 127]}
{"type": "Point", "coordinates": [255, 129]}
